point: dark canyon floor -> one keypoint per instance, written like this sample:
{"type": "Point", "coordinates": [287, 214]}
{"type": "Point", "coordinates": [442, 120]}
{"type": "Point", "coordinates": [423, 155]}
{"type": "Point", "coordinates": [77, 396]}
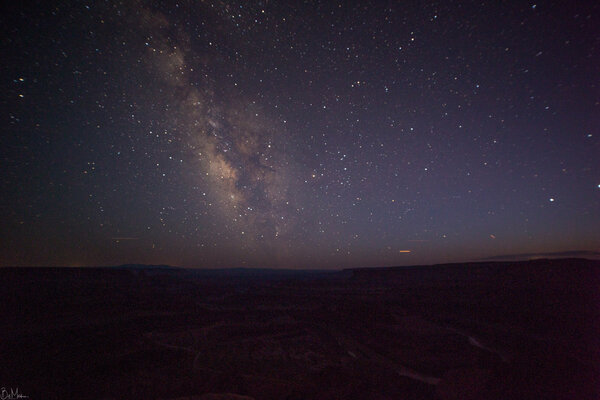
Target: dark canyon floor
{"type": "Point", "coordinates": [521, 330]}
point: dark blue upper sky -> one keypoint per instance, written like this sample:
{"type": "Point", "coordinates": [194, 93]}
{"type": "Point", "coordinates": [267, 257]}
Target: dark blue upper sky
{"type": "Point", "coordinates": [298, 134]}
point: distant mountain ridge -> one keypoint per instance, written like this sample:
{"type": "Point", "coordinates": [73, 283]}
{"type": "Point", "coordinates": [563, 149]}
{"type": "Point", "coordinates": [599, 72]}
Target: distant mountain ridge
{"type": "Point", "coordinates": [143, 266]}
{"type": "Point", "coordinates": [558, 254]}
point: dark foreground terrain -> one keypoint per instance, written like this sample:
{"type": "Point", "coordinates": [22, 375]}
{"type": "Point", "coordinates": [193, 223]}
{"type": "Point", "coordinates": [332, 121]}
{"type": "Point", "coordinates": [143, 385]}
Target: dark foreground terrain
{"type": "Point", "coordinates": [518, 330]}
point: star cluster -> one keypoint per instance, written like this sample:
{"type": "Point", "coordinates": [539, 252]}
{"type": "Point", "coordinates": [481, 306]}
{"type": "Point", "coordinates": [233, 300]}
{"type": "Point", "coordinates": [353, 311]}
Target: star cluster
{"type": "Point", "coordinates": [298, 134]}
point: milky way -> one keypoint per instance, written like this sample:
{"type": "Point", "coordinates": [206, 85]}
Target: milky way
{"type": "Point", "coordinates": [232, 148]}
{"type": "Point", "coordinates": [287, 134]}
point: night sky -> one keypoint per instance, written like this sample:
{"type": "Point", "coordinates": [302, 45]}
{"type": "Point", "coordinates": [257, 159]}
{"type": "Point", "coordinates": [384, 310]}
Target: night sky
{"type": "Point", "coordinates": [297, 134]}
